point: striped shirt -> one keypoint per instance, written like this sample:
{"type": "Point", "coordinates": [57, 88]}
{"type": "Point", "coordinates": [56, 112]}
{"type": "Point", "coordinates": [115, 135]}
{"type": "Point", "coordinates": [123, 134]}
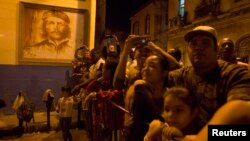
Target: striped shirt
{"type": "Point", "coordinates": [226, 82]}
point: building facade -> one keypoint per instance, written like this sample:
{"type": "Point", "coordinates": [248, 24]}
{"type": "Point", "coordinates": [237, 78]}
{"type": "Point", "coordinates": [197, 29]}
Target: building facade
{"type": "Point", "coordinates": [33, 76]}
{"type": "Point", "coordinates": [229, 17]}
{"type": "Point", "coordinates": [150, 20]}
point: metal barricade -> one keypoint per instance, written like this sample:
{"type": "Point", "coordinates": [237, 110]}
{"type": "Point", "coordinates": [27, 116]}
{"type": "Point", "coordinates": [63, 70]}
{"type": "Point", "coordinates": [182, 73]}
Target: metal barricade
{"type": "Point", "coordinates": [105, 115]}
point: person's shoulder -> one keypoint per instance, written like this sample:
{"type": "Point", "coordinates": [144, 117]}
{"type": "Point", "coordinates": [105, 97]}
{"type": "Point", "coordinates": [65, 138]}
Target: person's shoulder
{"type": "Point", "coordinates": [139, 82]}
{"type": "Point", "coordinates": [243, 64]}
{"type": "Point", "coordinates": [71, 98]}
{"type": "Point", "coordinates": [3, 125]}
{"type": "Point", "coordinates": [132, 69]}
{"type": "Point", "coordinates": [233, 72]}
{"type": "Point", "coordinates": [101, 60]}
{"type": "Point", "coordinates": [99, 63]}
{"type": "Point", "coordinates": [182, 76]}
{"type": "Point", "coordinates": [182, 70]}
{"type": "Point", "coordinates": [226, 67]}
{"type": "Point", "coordinates": [132, 63]}
{"type": "Point", "coordinates": [60, 99]}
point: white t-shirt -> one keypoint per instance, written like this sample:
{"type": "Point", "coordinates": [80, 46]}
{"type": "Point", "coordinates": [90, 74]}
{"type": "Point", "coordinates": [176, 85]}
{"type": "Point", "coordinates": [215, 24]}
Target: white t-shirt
{"type": "Point", "coordinates": [18, 102]}
{"type": "Point", "coordinates": [65, 106]}
{"type": "Point", "coordinates": [94, 68]}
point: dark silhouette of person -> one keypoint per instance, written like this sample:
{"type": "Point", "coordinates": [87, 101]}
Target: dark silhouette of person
{"type": "Point", "coordinates": [7, 131]}
{"type": "Point", "coordinates": [48, 98]}
{"type": "Point", "coordinates": [17, 106]}
{"type": "Point", "coordinates": [176, 53]}
{"type": "Point", "coordinates": [226, 51]}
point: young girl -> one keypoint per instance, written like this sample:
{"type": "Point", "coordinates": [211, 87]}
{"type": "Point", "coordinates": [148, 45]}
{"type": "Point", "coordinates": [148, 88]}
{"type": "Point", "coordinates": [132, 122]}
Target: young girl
{"type": "Point", "coordinates": [180, 110]}
{"type": "Point", "coordinates": [65, 107]}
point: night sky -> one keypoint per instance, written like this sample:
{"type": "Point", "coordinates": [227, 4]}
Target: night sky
{"type": "Point", "coordinates": [119, 11]}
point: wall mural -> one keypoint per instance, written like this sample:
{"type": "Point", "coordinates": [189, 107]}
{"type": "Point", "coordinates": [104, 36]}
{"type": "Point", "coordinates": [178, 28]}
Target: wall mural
{"type": "Point", "coordinates": [51, 34]}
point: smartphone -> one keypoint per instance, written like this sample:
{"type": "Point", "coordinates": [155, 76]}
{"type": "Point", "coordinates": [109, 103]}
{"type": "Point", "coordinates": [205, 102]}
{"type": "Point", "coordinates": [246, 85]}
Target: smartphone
{"type": "Point", "coordinates": [111, 45]}
{"type": "Point", "coordinates": [143, 41]}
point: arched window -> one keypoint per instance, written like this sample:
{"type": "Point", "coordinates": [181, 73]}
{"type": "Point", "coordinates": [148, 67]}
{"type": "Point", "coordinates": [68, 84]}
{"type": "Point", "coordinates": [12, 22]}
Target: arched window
{"type": "Point", "coordinates": [136, 27]}
{"type": "Point", "coordinates": [242, 48]}
{"type": "Point", "coordinates": [147, 24]}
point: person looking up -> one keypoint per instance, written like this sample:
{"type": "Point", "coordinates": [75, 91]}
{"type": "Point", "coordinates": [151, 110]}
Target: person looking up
{"type": "Point", "coordinates": [144, 98]}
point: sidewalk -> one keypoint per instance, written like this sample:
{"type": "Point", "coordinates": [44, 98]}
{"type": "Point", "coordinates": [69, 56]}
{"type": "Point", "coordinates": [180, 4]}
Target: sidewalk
{"type": "Point", "coordinates": [36, 131]}
{"type": "Point", "coordinates": [78, 135]}
{"type": "Point", "coordinates": [40, 121]}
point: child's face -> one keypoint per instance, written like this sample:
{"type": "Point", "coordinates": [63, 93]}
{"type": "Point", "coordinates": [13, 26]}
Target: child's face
{"type": "Point", "coordinates": [177, 113]}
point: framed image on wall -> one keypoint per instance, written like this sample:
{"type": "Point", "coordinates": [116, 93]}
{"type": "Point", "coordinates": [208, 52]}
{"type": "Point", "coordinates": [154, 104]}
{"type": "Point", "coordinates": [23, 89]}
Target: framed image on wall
{"type": "Point", "coordinates": [51, 34]}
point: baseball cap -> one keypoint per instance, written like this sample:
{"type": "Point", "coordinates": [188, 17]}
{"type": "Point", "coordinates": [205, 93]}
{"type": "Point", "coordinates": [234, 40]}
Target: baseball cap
{"type": "Point", "coordinates": [201, 30]}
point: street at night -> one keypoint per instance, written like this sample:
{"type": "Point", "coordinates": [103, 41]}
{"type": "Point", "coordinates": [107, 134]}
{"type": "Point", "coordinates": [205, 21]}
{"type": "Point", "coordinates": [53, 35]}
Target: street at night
{"type": "Point", "coordinates": [78, 135]}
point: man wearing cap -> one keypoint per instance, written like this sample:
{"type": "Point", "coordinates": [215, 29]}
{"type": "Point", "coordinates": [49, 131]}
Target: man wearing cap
{"type": "Point", "coordinates": [56, 34]}
{"type": "Point", "coordinates": [213, 81]}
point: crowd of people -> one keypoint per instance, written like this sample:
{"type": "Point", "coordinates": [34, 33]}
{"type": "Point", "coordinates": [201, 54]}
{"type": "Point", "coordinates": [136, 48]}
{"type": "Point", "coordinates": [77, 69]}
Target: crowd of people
{"type": "Point", "coordinates": [151, 96]}
{"type": "Point", "coordinates": [140, 92]}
